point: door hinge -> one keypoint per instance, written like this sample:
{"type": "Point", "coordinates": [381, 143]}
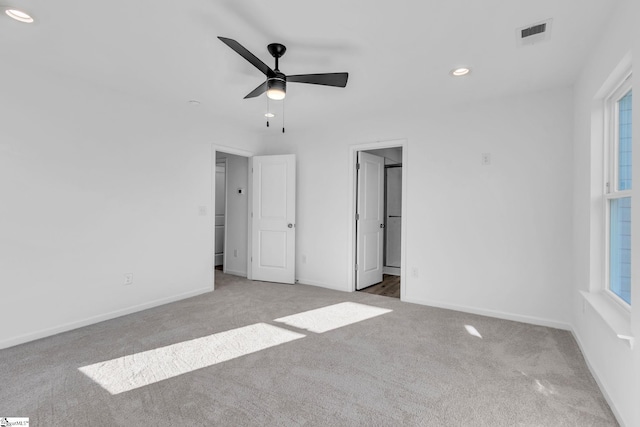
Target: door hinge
{"type": "Point", "coordinates": [357, 217]}
{"type": "Point", "coordinates": [356, 267]}
{"type": "Point", "coordinates": [357, 166]}
{"type": "Point", "coordinates": [251, 214]}
{"type": "Point", "coordinates": [608, 187]}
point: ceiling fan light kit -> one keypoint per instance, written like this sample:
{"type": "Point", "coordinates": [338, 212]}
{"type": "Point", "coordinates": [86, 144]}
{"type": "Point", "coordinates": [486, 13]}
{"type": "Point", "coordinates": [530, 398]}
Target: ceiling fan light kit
{"type": "Point", "coordinates": [276, 88]}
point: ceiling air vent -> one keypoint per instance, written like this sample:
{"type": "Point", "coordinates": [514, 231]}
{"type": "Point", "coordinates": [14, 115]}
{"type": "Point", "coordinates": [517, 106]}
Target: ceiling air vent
{"type": "Point", "coordinates": [532, 31]}
{"type": "Point", "coordinates": [533, 34]}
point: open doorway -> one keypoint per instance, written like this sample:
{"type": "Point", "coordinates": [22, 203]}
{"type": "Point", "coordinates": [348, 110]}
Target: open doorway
{"type": "Point", "coordinates": [258, 214]}
{"type": "Point", "coordinates": [379, 221]}
{"type": "Point", "coordinates": [231, 204]}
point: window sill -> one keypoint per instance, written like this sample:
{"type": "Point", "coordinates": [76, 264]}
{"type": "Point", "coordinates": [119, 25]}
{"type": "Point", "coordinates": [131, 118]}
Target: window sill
{"type": "Point", "coordinates": [615, 317]}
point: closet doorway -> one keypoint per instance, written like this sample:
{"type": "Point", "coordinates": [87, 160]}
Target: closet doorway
{"type": "Point", "coordinates": [378, 221]}
{"type": "Point", "coordinates": [231, 207]}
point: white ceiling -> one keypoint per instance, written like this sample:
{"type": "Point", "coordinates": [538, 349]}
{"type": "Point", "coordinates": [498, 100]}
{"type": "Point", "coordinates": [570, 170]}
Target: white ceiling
{"type": "Point", "coordinates": [398, 54]}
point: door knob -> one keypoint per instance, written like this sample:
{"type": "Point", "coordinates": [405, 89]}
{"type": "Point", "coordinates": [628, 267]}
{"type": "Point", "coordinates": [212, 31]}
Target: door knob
{"type": "Point", "coordinates": [290, 225]}
{"type": "Point", "coordinates": [381, 225]}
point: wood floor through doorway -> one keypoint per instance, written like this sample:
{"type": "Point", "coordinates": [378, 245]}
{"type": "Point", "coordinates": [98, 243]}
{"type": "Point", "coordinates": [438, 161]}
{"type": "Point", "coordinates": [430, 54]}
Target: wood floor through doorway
{"type": "Point", "coordinates": [389, 287]}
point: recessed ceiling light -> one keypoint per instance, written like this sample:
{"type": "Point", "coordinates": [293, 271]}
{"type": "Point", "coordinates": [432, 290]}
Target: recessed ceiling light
{"type": "Point", "coordinates": [459, 72]}
{"type": "Point", "coordinates": [269, 115]}
{"type": "Point", "coordinates": [19, 15]}
{"type": "Point", "coordinates": [194, 102]}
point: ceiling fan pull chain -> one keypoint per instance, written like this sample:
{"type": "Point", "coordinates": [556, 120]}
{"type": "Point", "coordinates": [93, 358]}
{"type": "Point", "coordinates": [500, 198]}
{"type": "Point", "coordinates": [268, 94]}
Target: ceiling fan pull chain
{"type": "Point", "coordinates": [267, 111]}
{"type": "Point", "coordinates": [283, 116]}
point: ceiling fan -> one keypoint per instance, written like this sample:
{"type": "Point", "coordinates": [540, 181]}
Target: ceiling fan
{"type": "Point", "coordinates": [276, 83]}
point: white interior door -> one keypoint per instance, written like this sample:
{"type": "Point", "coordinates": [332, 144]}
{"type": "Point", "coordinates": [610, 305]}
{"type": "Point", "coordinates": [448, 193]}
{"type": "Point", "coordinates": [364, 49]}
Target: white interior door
{"type": "Point", "coordinates": [370, 220]}
{"type": "Point", "coordinates": [273, 218]}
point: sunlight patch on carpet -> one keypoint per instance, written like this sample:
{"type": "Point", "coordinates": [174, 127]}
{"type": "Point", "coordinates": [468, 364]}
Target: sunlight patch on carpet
{"type": "Point", "coordinates": [148, 367]}
{"type": "Point", "coordinates": [547, 389]}
{"type": "Point", "coordinates": [472, 331]}
{"type": "Point", "coordinates": [332, 317]}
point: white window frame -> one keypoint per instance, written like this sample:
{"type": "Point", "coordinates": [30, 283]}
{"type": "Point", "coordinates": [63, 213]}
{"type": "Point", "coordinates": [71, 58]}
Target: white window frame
{"type": "Point", "coordinates": [611, 175]}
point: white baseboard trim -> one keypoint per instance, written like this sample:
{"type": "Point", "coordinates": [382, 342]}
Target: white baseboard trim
{"type": "Point", "coordinates": [599, 381]}
{"type": "Point", "coordinates": [493, 313]}
{"type": "Point", "coordinates": [302, 281]}
{"type": "Point", "coordinates": [394, 271]}
{"type": "Point", "coordinates": [236, 273]}
{"type": "Point", "coordinates": [99, 318]}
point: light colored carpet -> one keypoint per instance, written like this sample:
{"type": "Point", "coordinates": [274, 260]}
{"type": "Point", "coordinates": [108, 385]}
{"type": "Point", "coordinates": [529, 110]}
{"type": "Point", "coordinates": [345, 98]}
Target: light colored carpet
{"type": "Point", "coordinates": [381, 362]}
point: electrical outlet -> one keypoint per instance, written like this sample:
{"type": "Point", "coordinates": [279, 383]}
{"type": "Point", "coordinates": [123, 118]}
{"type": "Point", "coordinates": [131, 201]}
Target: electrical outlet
{"type": "Point", "coordinates": [235, 253]}
{"type": "Point", "coordinates": [128, 279]}
{"type": "Point", "coordinates": [202, 210]}
{"type": "Point", "coordinates": [415, 272]}
{"type": "Point", "coordinates": [486, 159]}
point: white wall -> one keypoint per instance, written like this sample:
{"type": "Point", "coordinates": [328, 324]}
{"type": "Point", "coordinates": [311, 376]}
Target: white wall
{"type": "Point", "coordinates": [635, 292]}
{"type": "Point", "coordinates": [237, 214]}
{"type": "Point", "coordinates": [611, 359]}
{"type": "Point", "coordinates": [95, 184]}
{"type": "Point", "coordinates": [492, 239]}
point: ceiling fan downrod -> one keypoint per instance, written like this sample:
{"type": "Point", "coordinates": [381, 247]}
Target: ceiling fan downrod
{"type": "Point", "coordinates": [276, 50]}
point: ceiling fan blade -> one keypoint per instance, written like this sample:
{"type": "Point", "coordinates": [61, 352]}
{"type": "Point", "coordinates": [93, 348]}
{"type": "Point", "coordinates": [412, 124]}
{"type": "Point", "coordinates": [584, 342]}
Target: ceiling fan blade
{"type": "Point", "coordinates": [242, 51]}
{"type": "Point", "coordinates": [257, 91]}
{"type": "Point", "coordinates": [326, 79]}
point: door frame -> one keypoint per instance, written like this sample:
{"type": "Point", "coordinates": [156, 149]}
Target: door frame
{"type": "Point", "coordinates": [224, 238]}
{"type": "Point", "coordinates": [215, 148]}
{"type": "Point", "coordinates": [353, 192]}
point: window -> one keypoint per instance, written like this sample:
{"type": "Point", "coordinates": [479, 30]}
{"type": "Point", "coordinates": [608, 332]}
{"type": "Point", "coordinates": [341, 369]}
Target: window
{"type": "Point", "coordinates": [618, 192]}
